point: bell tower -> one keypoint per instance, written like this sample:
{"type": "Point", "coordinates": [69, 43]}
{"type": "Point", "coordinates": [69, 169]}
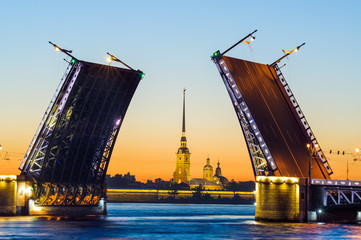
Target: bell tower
{"type": "Point", "coordinates": [183, 164]}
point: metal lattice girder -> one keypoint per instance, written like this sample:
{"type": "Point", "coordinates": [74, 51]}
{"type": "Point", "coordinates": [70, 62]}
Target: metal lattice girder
{"type": "Point", "coordinates": [56, 194]}
{"type": "Point", "coordinates": [339, 192]}
{"type": "Point", "coordinates": [342, 197]}
{"type": "Point", "coordinates": [25, 163]}
{"type": "Point", "coordinates": [76, 140]}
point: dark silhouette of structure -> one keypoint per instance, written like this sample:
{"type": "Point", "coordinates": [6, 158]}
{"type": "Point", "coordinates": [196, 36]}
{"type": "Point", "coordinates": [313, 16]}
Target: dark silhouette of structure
{"type": "Point", "coordinates": [70, 152]}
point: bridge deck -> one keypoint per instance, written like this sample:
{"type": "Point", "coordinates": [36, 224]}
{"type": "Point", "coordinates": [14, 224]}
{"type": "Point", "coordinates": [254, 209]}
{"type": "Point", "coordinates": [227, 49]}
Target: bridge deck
{"type": "Point", "coordinates": [280, 128]}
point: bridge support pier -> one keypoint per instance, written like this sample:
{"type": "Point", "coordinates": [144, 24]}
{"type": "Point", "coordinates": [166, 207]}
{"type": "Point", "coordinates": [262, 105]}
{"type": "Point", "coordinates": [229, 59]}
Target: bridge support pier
{"type": "Point", "coordinates": [281, 199]}
{"type": "Point", "coordinates": [14, 195]}
{"type": "Point", "coordinates": [15, 199]}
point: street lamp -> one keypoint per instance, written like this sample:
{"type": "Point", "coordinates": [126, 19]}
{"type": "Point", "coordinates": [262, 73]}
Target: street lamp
{"type": "Point", "coordinates": [67, 52]}
{"type": "Point", "coordinates": [252, 38]}
{"type": "Point", "coordinates": [287, 53]}
{"type": "Point", "coordinates": [312, 149]}
{"type": "Point", "coordinates": [113, 58]}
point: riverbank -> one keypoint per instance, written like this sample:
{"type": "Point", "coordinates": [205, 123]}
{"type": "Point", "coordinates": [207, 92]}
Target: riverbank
{"type": "Point", "coordinates": [179, 196]}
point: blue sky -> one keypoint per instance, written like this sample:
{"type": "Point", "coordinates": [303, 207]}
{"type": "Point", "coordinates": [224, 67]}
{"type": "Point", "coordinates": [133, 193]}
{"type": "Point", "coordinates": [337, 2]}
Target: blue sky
{"type": "Point", "coordinates": [171, 41]}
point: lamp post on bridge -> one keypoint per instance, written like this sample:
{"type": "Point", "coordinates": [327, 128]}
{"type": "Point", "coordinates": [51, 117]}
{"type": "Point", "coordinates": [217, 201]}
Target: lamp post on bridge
{"type": "Point", "coordinates": [312, 149]}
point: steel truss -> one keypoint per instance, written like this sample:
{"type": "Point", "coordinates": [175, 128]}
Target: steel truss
{"type": "Point", "coordinates": [262, 160]}
{"type": "Point", "coordinates": [341, 196]}
{"type": "Point", "coordinates": [302, 118]}
{"type": "Point", "coordinates": [70, 153]}
{"type": "Point", "coordinates": [56, 194]}
{"type": "Point", "coordinates": [339, 192]}
{"type": "Point", "coordinates": [45, 124]}
{"type": "Point", "coordinates": [34, 158]}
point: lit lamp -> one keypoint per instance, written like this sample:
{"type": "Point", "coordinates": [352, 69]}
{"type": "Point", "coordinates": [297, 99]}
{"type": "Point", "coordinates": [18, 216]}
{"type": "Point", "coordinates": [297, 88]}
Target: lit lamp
{"type": "Point", "coordinates": [357, 149]}
{"type": "Point", "coordinates": [1, 147]}
{"type": "Point", "coordinates": [312, 150]}
{"type": "Point", "coordinates": [287, 53]}
{"type": "Point", "coordinates": [67, 52]}
{"type": "Point", "coordinates": [109, 59]}
{"type": "Point", "coordinates": [251, 38]}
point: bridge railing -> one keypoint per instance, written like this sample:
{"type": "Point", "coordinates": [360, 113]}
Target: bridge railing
{"type": "Point", "coordinates": [339, 192]}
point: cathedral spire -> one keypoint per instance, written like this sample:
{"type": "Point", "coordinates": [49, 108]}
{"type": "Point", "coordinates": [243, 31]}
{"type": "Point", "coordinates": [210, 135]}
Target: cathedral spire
{"type": "Point", "coordinates": [182, 171]}
{"type": "Point", "coordinates": [184, 113]}
{"type": "Point", "coordinates": [183, 138]}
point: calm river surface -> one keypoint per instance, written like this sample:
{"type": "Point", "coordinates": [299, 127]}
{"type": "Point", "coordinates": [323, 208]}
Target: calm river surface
{"type": "Point", "coordinates": [171, 221]}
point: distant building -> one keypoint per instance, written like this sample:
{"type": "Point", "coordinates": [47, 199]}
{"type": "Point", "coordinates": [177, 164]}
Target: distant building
{"type": "Point", "coordinates": [218, 178]}
{"type": "Point", "coordinates": [209, 181]}
{"type": "Point", "coordinates": [183, 164]}
{"type": "Point", "coordinates": [218, 170]}
{"type": "Point", "coordinates": [130, 178]}
{"type": "Point", "coordinates": [208, 171]}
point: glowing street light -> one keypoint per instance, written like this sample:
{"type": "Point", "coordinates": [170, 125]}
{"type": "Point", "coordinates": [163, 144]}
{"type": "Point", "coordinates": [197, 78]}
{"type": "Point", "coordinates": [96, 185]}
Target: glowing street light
{"type": "Point", "coordinates": [109, 59]}
{"type": "Point", "coordinates": [57, 48]}
{"type": "Point", "coordinates": [252, 38]}
{"type": "Point", "coordinates": [357, 150]}
{"type": "Point", "coordinates": [290, 52]}
{"type": "Point", "coordinates": [287, 53]}
{"type": "Point", "coordinates": [313, 151]}
{"type": "Point", "coordinates": [1, 147]}
{"type": "Point", "coordinates": [113, 58]}
{"type": "Point", "coordinates": [67, 52]}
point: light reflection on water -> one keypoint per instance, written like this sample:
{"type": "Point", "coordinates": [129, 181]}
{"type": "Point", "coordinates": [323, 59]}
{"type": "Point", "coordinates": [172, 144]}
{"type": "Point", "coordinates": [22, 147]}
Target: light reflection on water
{"type": "Point", "coordinates": [170, 221]}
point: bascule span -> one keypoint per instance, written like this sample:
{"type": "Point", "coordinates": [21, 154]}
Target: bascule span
{"type": "Point", "coordinates": [67, 160]}
{"type": "Point", "coordinates": [293, 176]}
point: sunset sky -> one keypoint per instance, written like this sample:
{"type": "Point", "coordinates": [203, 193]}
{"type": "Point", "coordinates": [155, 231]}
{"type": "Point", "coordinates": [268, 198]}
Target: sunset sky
{"type": "Point", "coordinates": [171, 42]}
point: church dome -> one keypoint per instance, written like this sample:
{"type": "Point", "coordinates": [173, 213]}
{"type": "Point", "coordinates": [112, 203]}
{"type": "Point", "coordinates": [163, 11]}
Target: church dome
{"type": "Point", "coordinates": [208, 165]}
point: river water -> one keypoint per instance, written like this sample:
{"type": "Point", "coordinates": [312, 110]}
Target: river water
{"type": "Point", "coordinates": [170, 221]}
